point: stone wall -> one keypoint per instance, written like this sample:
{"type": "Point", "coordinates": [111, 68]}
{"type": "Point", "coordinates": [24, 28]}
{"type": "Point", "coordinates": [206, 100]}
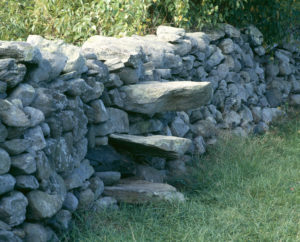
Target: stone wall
{"type": "Point", "coordinates": [73, 121]}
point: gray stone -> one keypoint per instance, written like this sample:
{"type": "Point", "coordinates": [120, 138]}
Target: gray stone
{"type": "Point", "coordinates": [97, 186]}
{"type": "Point", "coordinates": [169, 34]}
{"type": "Point", "coordinates": [96, 112]}
{"type": "Point", "coordinates": [105, 203]}
{"type": "Point", "coordinates": [226, 46]}
{"type": "Point", "coordinates": [36, 136]}
{"type": "Point", "coordinates": [136, 192]}
{"type": "Point", "coordinates": [11, 115]}
{"type": "Point", "coordinates": [150, 174]}
{"type": "Point", "coordinates": [43, 205]}
{"type": "Point", "coordinates": [3, 132]}
{"type": "Point", "coordinates": [119, 50]}
{"type": "Point", "coordinates": [75, 60]}
{"type": "Point", "coordinates": [35, 116]}
{"type": "Point", "coordinates": [260, 51]}
{"type": "Point", "coordinates": [231, 31]}
{"type": "Point", "coordinates": [21, 51]}
{"type": "Point", "coordinates": [256, 114]}
{"type": "Point", "coordinates": [101, 141]}
{"type": "Point", "coordinates": [176, 169]}
{"type": "Point", "coordinates": [61, 221]}
{"type": "Point", "coordinates": [246, 115]}
{"type": "Point", "coordinates": [179, 128]}
{"type": "Point", "coordinates": [98, 69]}
{"type": "Point", "coordinates": [49, 101]}
{"type": "Point", "coordinates": [232, 119]}
{"type": "Point", "coordinates": [285, 69]}
{"type": "Point", "coordinates": [109, 177]}
{"type": "Point", "coordinates": [9, 236]}
{"type": "Point", "coordinates": [13, 208]}
{"type": "Point", "coordinates": [25, 93]}
{"type": "Point", "coordinates": [215, 59]}
{"type": "Point", "coordinates": [204, 128]}
{"type": "Point", "coordinates": [113, 81]}
{"type": "Point", "coordinates": [274, 97]}
{"type": "Point", "coordinates": [155, 97]}
{"type": "Point", "coordinates": [201, 39]}
{"type": "Point", "coordinates": [200, 146]}
{"type": "Point", "coordinates": [146, 126]}
{"type": "Point", "coordinates": [26, 183]}
{"type": "Point", "coordinates": [156, 145]}
{"type": "Point", "coordinates": [46, 129]}
{"type": "Point", "coordinates": [7, 183]}
{"type": "Point", "coordinates": [295, 99]}
{"type": "Point", "coordinates": [24, 163]}
{"type": "Point", "coordinates": [79, 175]}
{"type": "Point", "coordinates": [71, 202]}
{"type": "Point", "coordinates": [44, 167]}
{"type": "Point", "coordinates": [86, 199]}
{"type": "Point", "coordinates": [116, 123]}
{"type": "Point", "coordinates": [182, 47]}
{"type": "Point", "coordinates": [4, 226]}
{"type": "Point", "coordinates": [5, 162]}
{"type": "Point", "coordinates": [130, 76]}
{"type": "Point", "coordinates": [116, 98]}
{"type": "Point", "coordinates": [260, 128]}
{"type": "Point", "coordinates": [48, 68]}
{"type": "Point", "coordinates": [255, 35]}
{"type": "Point", "coordinates": [35, 232]}
{"type": "Point", "coordinates": [77, 87]}
{"type": "Point", "coordinates": [94, 92]}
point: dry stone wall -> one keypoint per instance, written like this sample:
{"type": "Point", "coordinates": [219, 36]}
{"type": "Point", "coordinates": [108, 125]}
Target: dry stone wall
{"type": "Point", "coordinates": [75, 120]}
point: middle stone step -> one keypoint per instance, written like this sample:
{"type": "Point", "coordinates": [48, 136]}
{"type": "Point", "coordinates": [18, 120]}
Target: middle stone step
{"type": "Point", "coordinates": [156, 145]}
{"type": "Point", "coordinates": [155, 97]}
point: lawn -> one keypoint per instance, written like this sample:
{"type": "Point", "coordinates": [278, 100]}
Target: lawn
{"type": "Point", "coordinates": [241, 190]}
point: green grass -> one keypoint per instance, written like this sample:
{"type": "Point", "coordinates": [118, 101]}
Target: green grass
{"type": "Point", "coordinates": [242, 190]}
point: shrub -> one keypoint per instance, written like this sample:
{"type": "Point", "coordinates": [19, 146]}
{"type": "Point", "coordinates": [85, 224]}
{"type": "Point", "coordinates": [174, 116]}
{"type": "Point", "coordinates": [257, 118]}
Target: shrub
{"type": "Point", "coordinates": [76, 20]}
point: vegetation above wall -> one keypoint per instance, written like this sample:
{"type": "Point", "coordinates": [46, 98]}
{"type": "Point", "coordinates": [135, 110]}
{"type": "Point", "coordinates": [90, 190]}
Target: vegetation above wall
{"type": "Point", "coordinates": [75, 21]}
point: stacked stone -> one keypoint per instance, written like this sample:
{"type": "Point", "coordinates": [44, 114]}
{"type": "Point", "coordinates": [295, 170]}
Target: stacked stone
{"type": "Point", "coordinates": [73, 121]}
{"type": "Point", "coordinates": [248, 88]}
{"type": "Point", "coordinates": [46, 93]}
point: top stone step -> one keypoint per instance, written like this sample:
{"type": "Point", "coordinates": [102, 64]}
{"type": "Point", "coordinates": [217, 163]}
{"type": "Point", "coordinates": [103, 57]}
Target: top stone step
{"type": "Point", "coordinates": [155, 97]}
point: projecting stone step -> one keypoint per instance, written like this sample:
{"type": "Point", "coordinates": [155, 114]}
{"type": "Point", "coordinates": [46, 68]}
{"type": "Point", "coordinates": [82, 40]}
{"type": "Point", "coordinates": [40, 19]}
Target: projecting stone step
{"type": "Point", "coordinates": [155, 97]}
{"type": "Point", "coordinates": [138, 191]}
{"type": "Point", "coordinates": [155, 145]}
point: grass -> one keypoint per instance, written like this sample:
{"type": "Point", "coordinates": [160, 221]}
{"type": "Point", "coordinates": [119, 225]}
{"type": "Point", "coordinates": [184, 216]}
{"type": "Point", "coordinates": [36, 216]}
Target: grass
{"type": "Point", "coordinates": [242, 190]}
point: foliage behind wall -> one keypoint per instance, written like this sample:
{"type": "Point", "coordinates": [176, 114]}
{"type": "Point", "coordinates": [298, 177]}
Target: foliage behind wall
{"type": "Point", "coordinates": [76, 20]}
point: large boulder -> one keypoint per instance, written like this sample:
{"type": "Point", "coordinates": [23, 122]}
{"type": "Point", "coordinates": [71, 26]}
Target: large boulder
{"type": "Point", "coordinates": [155, 97]}
{"type": "Point", "coordinates": [156, 145]}
{"type": "Point", "coordinates": [138, 191]}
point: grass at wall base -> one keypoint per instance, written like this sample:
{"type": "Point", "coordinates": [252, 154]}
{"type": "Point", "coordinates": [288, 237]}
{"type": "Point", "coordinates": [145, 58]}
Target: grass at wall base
{"type": "Point", "coordinates": [242, 190]}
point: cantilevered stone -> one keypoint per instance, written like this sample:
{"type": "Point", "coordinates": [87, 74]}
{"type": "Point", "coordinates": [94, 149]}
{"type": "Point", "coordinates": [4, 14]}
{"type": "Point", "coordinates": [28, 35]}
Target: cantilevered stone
{"type": "Point", "coordinates": [155, 97]}
{"type": "Point", "coordinates": [156, 145]}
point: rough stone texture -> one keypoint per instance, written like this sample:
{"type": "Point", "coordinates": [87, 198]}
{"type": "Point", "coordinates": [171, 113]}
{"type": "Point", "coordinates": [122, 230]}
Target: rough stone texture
{"type": "Point", "coordinates": [35, 232]}
{"type": "Point", "coordinates": [105, 203]}
{"type": "Point", "coordinates": [43, 205]}
{"type": "Point", "coordinates": [156, 145]}
{"type": "Point", "coordinates": [153, 97]}
{"type": "Point", "coordinates": [13, 208]}
{"type": "Point", "coordinates": [5, 162]}
{"type": "Point", "coordinates": [12, 115]}
{"type": "Point", "coordinates": [138, 191]}
{"type": "Point", "coordinates": [25, 183]}
{"type": "Point", "coordinates": [7, 183]}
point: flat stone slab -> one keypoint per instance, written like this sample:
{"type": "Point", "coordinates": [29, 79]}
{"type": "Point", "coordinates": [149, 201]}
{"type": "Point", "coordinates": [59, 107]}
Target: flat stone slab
{"type": "Point", "coordinates": [156, 97]}
{"type": "Point", "coordinates": [139, 191]}
{"type": "Point", "coordinates": [156, 145]}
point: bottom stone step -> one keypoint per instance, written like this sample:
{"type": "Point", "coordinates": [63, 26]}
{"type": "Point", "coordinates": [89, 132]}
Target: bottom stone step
{"type": "Point", "coordinates": [139, 191]}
